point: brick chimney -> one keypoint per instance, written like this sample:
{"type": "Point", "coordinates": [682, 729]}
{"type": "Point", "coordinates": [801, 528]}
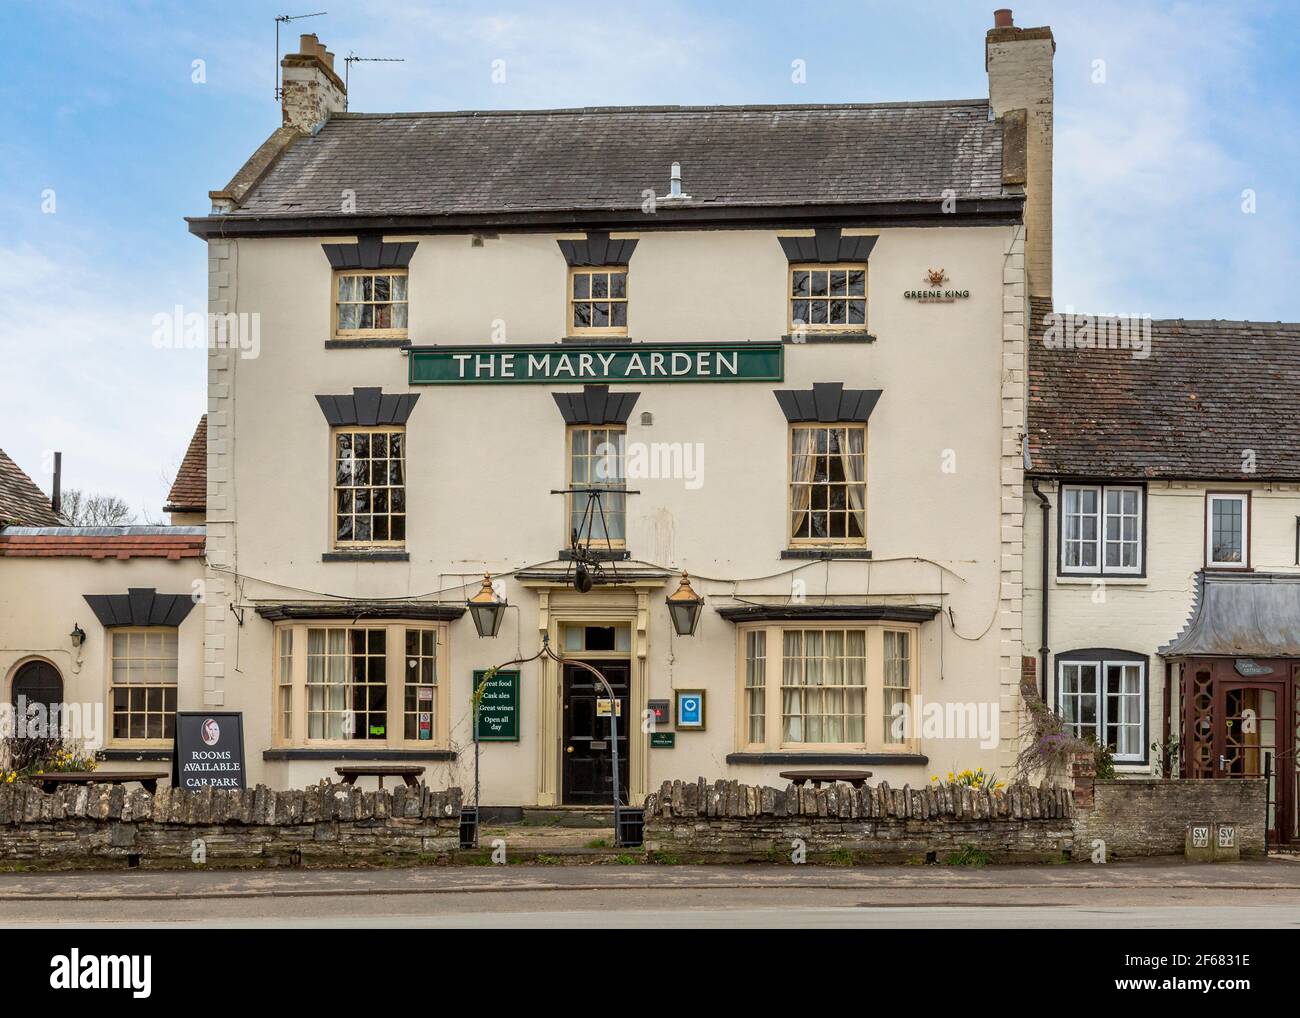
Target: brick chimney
{"type": "Point", "coordinates": [1019, 65]}
{"type": "Point", "coordinates": [310, 89]}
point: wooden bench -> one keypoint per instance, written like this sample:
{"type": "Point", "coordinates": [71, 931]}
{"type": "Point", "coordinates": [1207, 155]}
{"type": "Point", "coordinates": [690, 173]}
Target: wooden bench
{"type": "Point", "coordinates": [818, 776]}
{"type": "Point", "coordinates": [49, 782]}
{"type": "Point", "coordinates": [407, 772]}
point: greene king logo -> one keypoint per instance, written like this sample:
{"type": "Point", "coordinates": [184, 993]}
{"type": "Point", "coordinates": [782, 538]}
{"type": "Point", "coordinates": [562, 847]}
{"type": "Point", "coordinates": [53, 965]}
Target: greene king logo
{"type": "Point", "coordinates": [211, 732]}
{"type": "Point", "coordinates": [74, 971]}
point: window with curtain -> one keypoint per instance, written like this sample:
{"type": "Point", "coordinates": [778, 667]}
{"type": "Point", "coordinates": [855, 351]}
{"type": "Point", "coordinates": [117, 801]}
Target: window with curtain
{"type": "Point", "coordinates": [1104, 699]}
{"type": "Point", "coordinates": [828, 490]}
{"type": "Point", "coordinates": [596, 460]}
{"type": "Point", "coordinates": [370, 304]}
{"type": "Point", "coordinates": [823, 686]}
{"type": "Point", "coordinates": [801, 687]}
{"type": "Point", "coordinates": [369, 487]}
{"type": "Point", "coordinates": [376, 683]}
{"type": "Point", "coordinates": [142, 683]}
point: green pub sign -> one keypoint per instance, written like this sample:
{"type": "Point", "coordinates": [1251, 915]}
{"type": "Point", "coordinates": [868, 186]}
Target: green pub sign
{"type": "Point", "coordinates": [612, 363]}
{"type": "Point", "coordinates": [498, 713]}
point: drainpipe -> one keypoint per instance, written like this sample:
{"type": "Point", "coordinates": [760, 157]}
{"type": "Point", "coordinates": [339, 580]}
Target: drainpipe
{"type": "Point", "coordinates": [1047, 535]}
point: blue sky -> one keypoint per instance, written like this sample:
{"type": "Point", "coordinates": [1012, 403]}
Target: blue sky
{"type": "Point", "coordinates": [1199, 104]}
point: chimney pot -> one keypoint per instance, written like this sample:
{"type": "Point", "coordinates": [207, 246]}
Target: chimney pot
{"type": "Point", "coordinates": [307, 43]}
{"type": "Point", "coordinates": [1002, 18]}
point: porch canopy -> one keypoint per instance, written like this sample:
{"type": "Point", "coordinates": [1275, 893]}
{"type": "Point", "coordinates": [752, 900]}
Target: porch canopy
{"type": "Point", "coordinates": [1241, 614]}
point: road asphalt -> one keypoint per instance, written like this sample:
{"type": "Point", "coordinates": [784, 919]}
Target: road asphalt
{"type": "Point", "coordinates": [1255, 894]}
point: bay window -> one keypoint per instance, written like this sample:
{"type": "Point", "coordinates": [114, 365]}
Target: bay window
{"type": "Point", "coordinates": [377, 684]}
{"type": "Point", "coordinates": [814, 687]}
{"type": "Point", "coordinates": [1101, 529]}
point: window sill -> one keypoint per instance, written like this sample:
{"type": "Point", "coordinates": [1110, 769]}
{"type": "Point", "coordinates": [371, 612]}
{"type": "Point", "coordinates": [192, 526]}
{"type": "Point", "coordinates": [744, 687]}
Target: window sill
{"type": "Point", "coordinates": [365, 556]}
{"type": "Point", "coordinates": [139, 755]}
{"type": "Point", "coordinates": [601, 555]}
{"type": "Point", "coordinates": [367, 344]}
{"type": "Point", "coordinates": [799, 757]}
{"type": "Point", "coordinates": [1087, 579]}
{"type": "Point", "coordinates": [826, 553]}
{"type": "Point", "coordinates": [359, 754]}
{"type": "Point", "coordinates": [810, 338]}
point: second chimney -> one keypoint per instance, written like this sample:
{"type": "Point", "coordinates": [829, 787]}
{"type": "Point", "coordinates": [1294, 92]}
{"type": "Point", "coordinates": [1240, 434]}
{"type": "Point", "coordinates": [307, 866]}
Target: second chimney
{"type": "Point", "coordinates": [310, 89]}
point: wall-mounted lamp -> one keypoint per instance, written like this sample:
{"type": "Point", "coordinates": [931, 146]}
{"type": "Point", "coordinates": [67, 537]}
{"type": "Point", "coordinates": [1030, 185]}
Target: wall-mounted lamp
{"type": "Point", "coordinates": [77, 636]}
{"type": "Point", "coordinates": [484, 608]}
{"type": "Point", "coordinates": [684, 607]}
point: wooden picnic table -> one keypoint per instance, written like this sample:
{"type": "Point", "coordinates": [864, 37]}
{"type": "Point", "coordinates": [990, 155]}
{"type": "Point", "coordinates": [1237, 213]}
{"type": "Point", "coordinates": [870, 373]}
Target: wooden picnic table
{"type": "Point", "coordinates": [50, 781]}
{"type": "Point", "coordinates": [817, 775]}
{"type": "Point", "coordinates": [407, 772]}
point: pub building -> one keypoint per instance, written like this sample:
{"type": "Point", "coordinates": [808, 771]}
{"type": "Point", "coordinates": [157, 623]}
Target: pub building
{"type": "Point", "coordinates": [722, 407]}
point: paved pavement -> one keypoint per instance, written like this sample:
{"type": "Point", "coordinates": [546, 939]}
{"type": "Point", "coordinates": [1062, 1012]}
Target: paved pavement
{"type": "Point", "coordinates": [1265, 893]}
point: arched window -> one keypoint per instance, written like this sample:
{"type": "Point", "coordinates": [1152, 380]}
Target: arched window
{"type": "Point", "coordinates": [37, 682]}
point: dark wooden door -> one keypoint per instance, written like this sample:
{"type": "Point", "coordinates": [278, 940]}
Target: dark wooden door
{"type": "Point", "coordinates": [1252, 736]}
{"type": "Point", "coordinates": [587, 751]}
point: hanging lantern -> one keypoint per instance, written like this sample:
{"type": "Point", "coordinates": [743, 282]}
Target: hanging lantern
{"type": "Point", "coordinates": [486, 610]}
{"type": "Point", "coordinates": [684, 607]}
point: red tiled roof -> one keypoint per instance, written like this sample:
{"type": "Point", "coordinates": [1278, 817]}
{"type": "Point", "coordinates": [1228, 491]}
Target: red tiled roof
{"type": "Point", "coordinates": [1210, 399]}
{"type": "Point", "coordinates": [21, 502]}
{"type": "Point", "coordinates": [189, 492]}
{"type": "Point", "coordinates": [101, 542]}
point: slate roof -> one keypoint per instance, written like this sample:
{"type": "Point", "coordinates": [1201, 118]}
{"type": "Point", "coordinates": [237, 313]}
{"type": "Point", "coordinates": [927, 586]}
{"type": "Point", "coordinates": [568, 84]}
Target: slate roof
{"type": "Point", "coordinates": [1208, 392]}
{"type": "Point", "coordinates": [602, 158]}
{"type": "Point", "coordinates": [189, 492]}
{"type": "Point", "coordinates": [21, 501]}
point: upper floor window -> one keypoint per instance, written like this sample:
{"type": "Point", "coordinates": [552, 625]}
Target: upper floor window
{"type": "Point", "coordinates": [596, 461]}
{"type": "Point", "coordinates": [377, 683]}
{"type": "Point", "coordinates": [370, 304]}
{"type": "Point", "coordinates": [598, 301]}
{"type": "Point", "coordinates": [828, 486]}
{"type": "Point", "coordinates": [803, 686]}
{"type": "Point", "coordinates": [828, 298]}
{"type": "Point", "coordinates": [1105, 700]}
{"type": "Point", "coordinates": [1101, 529]}
{"type": "Point", "coordinates": [1227, 530]}
{"type": "Point", "coordinates": [142, 683]}
{"type": "Point", "coordinates": [369, 486]}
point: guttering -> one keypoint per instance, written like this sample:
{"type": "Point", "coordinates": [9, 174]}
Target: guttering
{"type": "Point", "coordinates": [970, 212]}
{"type": "Point", "coordinates": [1043, 650]}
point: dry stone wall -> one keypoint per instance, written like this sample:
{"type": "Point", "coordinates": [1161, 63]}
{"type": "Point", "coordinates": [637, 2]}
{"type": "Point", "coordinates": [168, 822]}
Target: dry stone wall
{"type": "Point", "coordinates": [729, 821]}
{"type": "Point", "coordinates": [326, 825]}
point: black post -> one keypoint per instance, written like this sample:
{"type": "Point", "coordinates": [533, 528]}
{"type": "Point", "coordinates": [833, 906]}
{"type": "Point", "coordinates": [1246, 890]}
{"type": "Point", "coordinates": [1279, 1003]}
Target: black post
{"type": "Point", "coordinates": [1268, 798]}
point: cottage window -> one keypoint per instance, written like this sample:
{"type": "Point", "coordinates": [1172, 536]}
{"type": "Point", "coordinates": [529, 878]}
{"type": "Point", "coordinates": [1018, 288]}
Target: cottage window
{"type": "Point", "coordinates": [1101, 529]}
{"type": "Point", "coordinates": [142, 684]}
{"type": "Point", "coordinates": [1227, 530]}
{"type": "Point", "coordinates": [843, 686]}
{"type": "Point", "coordinates": [598, 301]}
{"type": "Point", "coordinates": [1105, 700]}
{"type": "Point", "coordinates": [597, 461]}
{"type": "Point", "coordinates": [828, 489]}
{"type": "Point", "coordinates": [828, 298]}
{"type": "Point", "coordinates": [370, 304]}
{"type": "Point", "coordinates": [369, 486]}
{"type": "Point", "coordinates": [377, 684]}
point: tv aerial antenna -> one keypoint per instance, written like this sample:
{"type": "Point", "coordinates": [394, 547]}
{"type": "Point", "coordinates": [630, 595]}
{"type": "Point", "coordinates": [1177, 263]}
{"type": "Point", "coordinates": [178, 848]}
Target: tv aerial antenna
{"type": "Point", "coordinates": [352, 58]}
{"type": "Point", "coordinates": [285, 19]}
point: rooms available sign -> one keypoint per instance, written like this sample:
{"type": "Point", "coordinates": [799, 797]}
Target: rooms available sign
{"type": "Point", "coordinates": [208, 750]}
{"type": "Point", "coordinates": [625, 362]}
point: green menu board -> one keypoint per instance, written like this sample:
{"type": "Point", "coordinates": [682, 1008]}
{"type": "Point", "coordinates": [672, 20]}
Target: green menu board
{"type": "Point", "coordinates": [498, 714]}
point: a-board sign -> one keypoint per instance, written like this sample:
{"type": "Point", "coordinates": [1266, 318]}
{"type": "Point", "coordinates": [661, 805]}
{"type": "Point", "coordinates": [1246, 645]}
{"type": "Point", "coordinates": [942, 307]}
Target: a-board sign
{"type": "Point", "coordinates": [208, 750]}
{"type": "Point", "coordinates": [498, 713]}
